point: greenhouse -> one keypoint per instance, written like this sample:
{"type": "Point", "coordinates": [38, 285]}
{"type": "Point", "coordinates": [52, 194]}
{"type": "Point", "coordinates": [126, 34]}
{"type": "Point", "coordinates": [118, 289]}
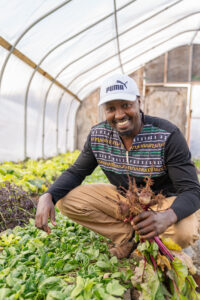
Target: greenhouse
{"type": "Point", "coordinates": [54, 59]}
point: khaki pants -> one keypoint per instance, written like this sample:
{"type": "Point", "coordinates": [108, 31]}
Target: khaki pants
{"type": "Point", "coordinates": [91, 206]}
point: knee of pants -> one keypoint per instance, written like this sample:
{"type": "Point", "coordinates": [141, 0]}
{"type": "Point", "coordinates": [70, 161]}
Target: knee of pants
{"type": "Point", "coordinates": [185, 236]}
{"type": "Point", "coordinates": [179, 238]}
{"type": "Point", "coordinates": [68, 206]}
{"type": "Point", "coordinates": [185, 232]}
{"type": "Point", "coordinates": [184, 240]}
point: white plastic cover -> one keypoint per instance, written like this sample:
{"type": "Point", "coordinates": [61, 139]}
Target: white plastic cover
{"type": "Point", "coordinates": [76, 42]}
{"type": "Point", "coordinates": [195, 122]}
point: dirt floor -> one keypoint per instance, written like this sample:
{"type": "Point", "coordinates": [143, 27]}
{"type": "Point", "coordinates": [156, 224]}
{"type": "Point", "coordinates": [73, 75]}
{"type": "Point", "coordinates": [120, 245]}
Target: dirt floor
{"type": "Point", "coordinates": [194, 253]}
{"type": "Point", "coordinates": [194, 250]}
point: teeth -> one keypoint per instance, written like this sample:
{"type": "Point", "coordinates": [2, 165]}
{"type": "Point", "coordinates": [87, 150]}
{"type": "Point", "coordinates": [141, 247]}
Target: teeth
{"type": "Point", "coordinates": [123, 123]}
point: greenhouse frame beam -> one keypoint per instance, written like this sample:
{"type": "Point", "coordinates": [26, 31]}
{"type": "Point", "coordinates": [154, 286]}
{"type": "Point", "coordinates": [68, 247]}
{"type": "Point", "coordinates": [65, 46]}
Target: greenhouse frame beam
{"type": "Point", "coordinates": [99, 21]}
{"type": "Point", "coordinates": [24, 32]}
{"type": "Point", "coordinates": [47, 93]}
{"type": "Point", "coordinates": [110, 40]}
{"type": "Point", "coordinates": [128, 47]}
{"type": "Point", "coordinates": [133, 58]}
{"type": "Point", "coordinates": [194, 36]}
{"type": "Point", "coordinates": [29, 62]}
{"type": "Point", "coordinates": [57, 129]}
{"type": "Point", "coordinates": [117, 37]}
{"type": "Point", "coordinates": [6, 45]}
{"type": "Point", "coordinates": [165, 67]}
{"type": "Point", "coordinates": [67, 124]}
{"type": "Point", "coordinates": [75, 131]}
{"type": "Point", "coordinates": [57, 118]}
{"type": "Point", "coordinates": [176, 83]}
{"type": "Point", "coordinates": [38, 66]}
{"type": "Point", "coordinates": [190, 63]}
{"type": "Point", "coordinates": [67, 40]}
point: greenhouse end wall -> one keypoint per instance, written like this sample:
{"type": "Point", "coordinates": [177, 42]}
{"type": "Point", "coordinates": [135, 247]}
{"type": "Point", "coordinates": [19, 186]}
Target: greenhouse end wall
{"type": "Point", "coordinates": [171, 103]}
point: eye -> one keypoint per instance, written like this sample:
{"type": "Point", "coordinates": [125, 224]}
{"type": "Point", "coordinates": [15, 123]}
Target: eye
{"type": "Point", "coordinates": [127, 105]}
{"type": "Point", "coordinates": [110, 109]}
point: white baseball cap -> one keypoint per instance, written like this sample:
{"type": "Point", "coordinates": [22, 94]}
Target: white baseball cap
{"type": "Point", "coordinates": [118, 87]}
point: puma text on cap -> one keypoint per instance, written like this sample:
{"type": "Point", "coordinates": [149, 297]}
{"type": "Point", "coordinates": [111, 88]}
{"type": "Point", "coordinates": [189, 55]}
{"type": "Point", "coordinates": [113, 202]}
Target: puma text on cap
{"type": "Point", "coordinates": [118, 87]}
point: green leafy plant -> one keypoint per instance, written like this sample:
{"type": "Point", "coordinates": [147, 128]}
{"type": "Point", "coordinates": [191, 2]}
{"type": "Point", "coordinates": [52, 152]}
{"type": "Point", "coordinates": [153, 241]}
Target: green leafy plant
{"type": "Point", "coordinates": [35, 176]}
{"type": "Point", "coordinates": [163, 278]}
{"type": "Point", "coordinates": [73, 262]}
{"type": "Point", "coordinates": [171, 277]}
{"type": "Point", "coordinates": [70, 263]}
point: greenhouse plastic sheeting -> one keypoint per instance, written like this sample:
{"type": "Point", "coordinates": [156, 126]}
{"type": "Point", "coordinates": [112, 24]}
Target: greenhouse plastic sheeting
{"type": "Point", "coordinates": [77, 43]}
{"type": "Point", "coordinates": [195, 120]}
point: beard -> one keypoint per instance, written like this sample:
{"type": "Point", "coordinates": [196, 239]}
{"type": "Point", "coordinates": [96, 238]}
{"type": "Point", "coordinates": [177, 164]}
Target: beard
{"type": "Point", "coordinates": [125, 133]}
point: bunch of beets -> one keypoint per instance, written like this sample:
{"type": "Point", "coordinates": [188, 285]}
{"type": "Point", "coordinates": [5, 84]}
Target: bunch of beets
{"type": "Point", "coordinates": [173, 270]}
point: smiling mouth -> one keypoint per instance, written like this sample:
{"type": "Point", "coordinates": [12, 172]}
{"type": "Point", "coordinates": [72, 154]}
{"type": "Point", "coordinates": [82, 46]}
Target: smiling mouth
{"type": "Point", "coordinates": [122, 124]}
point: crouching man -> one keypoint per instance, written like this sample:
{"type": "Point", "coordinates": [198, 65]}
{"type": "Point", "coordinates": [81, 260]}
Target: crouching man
{"type": "Point", "coordinates": [128, 144]}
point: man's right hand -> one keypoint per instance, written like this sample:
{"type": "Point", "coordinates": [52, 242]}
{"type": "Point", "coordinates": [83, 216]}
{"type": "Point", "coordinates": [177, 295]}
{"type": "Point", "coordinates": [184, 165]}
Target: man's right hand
{"type": "Point", "coordinates": [45, 209]}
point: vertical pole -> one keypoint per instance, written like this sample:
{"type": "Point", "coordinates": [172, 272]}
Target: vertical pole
{"type": "Point", "coordinates": [43, 125]}
{"type": "Point", "coordinates": [25, 129]}
{"type": "Point", "coordinates": [190, 93]}
{"type": "Point", "coordinates": [144, 90]}
{"type": "Point", "coordinates": [165, 67]}
{"type": "Point", "coordinates": [57, 118]}
{"type": "Point", "coordinates": [75, 128]}
{"type": "Point", "coordinates": [67, 121]}
{"type": "Point", "coordinates": [189, 114]}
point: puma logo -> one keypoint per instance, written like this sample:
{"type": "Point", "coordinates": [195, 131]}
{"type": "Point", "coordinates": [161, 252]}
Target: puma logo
{"type": "Point", "coordinates": [117, 87]}
{"type": "Point", "coordinates": [124, 83]}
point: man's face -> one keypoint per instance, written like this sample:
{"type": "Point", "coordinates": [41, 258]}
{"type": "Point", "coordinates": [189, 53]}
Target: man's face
{"type": "Point", "coordinates": [124, 116]}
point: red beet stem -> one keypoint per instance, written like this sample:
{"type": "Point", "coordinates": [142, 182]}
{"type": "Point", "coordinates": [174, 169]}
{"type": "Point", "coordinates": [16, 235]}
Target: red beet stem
{"type": "Point", "coordinates": [163, 248]}
{"type": "Point", "coordinates": [154, 262]}
{"type": "Point", "coordinates": [128, 219]}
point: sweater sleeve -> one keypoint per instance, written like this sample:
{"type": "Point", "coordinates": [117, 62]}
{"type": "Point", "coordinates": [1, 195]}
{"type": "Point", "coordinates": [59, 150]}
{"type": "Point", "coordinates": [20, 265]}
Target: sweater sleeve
{"type": "Point", "coordinates": [183, 175]}
{"type": "Point", "coordinates": [72, 177]}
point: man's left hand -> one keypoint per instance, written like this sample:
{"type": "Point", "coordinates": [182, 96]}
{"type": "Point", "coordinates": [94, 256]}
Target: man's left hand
{"type": "Point", "coordinates": [150, 223]}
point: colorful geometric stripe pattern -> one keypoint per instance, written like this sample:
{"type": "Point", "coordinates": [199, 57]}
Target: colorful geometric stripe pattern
{"type": "Point", "coordinates": [145, 157]}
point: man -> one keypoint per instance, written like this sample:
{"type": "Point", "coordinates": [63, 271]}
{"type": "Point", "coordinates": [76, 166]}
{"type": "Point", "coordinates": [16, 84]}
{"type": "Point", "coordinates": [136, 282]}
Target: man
{"type": "Point", "coordinates": [128, 144]}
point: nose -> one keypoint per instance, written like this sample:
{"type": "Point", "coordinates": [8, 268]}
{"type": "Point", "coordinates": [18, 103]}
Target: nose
{"type": "Point", "coordinates": [119, 113]}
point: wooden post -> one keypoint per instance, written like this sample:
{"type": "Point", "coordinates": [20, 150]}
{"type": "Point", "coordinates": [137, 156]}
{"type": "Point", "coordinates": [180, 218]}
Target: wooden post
{"type": "Point", "coordinates": [190, 53]}
{"type": "Point", "coordinates": [165, 67]}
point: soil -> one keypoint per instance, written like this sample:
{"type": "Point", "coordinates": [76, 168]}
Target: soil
{"type": "Point", "coordinates": [194, 253]}
{"type": "Point", "coordinates": [194, 250]}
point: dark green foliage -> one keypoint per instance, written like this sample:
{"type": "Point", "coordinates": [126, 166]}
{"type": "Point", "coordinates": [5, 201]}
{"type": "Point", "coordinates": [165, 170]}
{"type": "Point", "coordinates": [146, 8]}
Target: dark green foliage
{"type": "Point", "coordinates": [16, 206]}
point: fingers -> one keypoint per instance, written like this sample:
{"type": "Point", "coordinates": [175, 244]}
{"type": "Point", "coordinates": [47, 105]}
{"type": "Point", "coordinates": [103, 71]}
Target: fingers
{"type": "Point", "coordinates": [149, 224]}
{"type": "Point", "coordinates": [145, 224]}
{"type": "Point", "coordinates": [148, 236]}
{"type": "Point", "coordinates": [41, 222]}
{"type": "Point", "coordinates": [137, 226]}
{"type": "Point", "coordinates": [52, 216]}
{"type": "Point", "coordinates": [141, 220]}
{"type": "Point", "coordinates": [145, 228]}
{"type": "Point", "coordinates": [45, 209]}
{"type": "Point", "coordinates": [46, 228]}
{"type": "Point", "coordinates": [141, 217]}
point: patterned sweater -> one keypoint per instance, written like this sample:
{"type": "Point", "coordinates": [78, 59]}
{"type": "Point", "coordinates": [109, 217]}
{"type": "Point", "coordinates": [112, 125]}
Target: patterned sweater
{"type": "Point", "coordinates": [159, 151]}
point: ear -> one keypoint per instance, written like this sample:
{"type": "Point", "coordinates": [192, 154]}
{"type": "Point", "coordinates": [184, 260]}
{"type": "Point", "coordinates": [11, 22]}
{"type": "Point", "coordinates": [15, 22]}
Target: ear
{"type": "Point", "coordinates": [139, 101]}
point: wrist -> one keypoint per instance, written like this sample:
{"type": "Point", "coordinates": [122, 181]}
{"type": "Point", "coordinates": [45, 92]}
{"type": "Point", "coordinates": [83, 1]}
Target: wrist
{"type": "Point", "coordinates": [46, 197]}
{"type": "Point", "coordinates": [171, 216]}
